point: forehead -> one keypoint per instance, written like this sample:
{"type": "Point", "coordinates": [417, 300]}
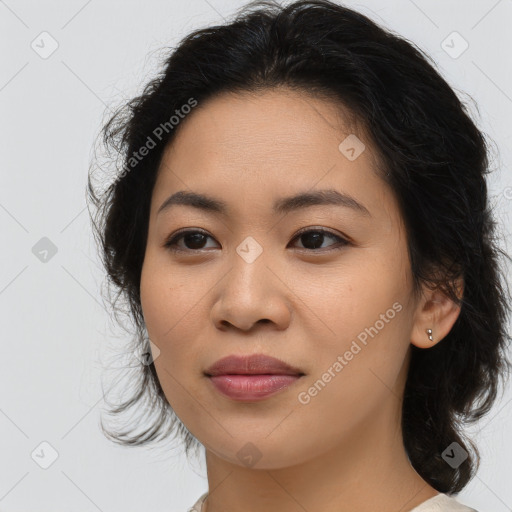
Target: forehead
{"type": "Point", "coordinates": [274, 125]}
{"type": "Point", "coordinates": [249, 148]}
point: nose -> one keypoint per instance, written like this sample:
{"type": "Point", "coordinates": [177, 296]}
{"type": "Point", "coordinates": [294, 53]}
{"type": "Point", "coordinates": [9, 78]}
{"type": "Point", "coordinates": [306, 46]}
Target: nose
{"type": "Point", "coordinates": [252, 293]}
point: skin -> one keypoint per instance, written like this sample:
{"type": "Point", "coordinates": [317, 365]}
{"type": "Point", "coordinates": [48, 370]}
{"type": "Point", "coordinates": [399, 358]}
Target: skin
{"type": "Point", "coordinates": [343, 450]}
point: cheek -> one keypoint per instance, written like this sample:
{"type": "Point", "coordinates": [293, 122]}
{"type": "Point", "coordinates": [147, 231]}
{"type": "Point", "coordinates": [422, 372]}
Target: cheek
{"type": "Point", "coordinates": [355, 370]}
{"type": "Point", "coordinates": [345, 301]}
{"type": "Point", "coordinates": [154, 303]}
{"type": "Point", "coordinates": [171, 322]}
{"type": "Point", "coordinates": [360, 315]}
{"type": "Point", "coordinates": [173, 306]}
{"type": "Point", "coordinates": [167, 304]}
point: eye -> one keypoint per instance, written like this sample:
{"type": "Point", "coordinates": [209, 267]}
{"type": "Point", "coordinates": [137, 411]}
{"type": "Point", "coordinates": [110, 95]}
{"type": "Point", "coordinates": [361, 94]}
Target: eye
{"type": "Point", "coordinates": [316, 237]}
{"type": "Point", "coordinates": [194, 240]}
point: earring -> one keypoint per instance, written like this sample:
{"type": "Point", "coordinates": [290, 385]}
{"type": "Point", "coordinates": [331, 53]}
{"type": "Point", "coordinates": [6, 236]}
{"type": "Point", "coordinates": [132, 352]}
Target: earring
{"type": "Point", "coordinates": [429, 332]}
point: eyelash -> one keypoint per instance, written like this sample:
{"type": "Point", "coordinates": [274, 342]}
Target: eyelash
{"type": "Point", "coordinates": [170, 244]}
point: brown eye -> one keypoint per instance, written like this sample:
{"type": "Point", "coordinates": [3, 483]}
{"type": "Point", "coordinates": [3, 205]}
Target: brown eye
{"type": "Point", "coordinates": [193, 240]}
{"type": "Point", "coordinates": [314, 238]}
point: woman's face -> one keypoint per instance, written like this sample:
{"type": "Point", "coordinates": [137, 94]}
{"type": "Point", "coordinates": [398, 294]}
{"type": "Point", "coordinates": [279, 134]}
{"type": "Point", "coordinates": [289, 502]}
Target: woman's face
{"type": "Point", "coordinates": [338, 305]}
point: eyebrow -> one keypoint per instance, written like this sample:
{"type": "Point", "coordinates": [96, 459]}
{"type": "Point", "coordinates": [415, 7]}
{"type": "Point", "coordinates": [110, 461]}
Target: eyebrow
{"type": "Point", "coordinates": [283, 205]}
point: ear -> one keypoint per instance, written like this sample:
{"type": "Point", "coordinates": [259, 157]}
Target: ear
{"type": "Point", "coordinates": [434, 311]}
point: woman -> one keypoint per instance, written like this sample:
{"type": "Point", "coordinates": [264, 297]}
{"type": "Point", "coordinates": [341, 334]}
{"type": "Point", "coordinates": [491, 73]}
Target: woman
{"type": "Point", "coordinates": [301, 228]}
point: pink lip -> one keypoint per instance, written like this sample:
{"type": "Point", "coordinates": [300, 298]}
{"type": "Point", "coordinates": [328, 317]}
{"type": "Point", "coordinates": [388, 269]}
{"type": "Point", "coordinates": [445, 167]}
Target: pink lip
{"type": "Point", "coordinates": [253, 364]}
{"type": "Point", "coordinates": [252, 377]}
{"type": "Point", "coordinates": [251, 387]}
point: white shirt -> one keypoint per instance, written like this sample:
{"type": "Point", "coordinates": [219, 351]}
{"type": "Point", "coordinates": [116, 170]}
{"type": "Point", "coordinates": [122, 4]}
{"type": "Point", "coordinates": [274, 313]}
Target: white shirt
{"type": "Point", "coordinates": [439, 503]}
{"type": "Point", "coordinates": [198, 504]}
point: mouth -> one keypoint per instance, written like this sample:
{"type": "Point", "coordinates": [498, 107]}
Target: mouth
{"type": "Point", "coordinates": [252, 387]}
{"type": "Point", "coordinates": [251, 377]}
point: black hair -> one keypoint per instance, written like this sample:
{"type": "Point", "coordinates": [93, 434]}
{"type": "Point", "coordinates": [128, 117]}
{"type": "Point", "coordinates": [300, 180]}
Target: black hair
{"type": "Point", "coordinates": [429, 151]}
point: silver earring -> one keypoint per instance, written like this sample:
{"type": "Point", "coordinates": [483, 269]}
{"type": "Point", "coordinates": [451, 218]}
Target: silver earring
{"type": "Point", "coordinates": [429, 332]}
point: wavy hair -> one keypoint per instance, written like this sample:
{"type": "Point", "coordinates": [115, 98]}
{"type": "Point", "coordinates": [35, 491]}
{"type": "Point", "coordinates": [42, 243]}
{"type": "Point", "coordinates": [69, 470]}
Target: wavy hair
{"type": "Point", "coordinates": [430, 152]}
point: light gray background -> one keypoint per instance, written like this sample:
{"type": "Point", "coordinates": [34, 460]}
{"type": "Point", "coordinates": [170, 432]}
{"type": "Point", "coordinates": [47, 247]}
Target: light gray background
{"type": "Point", "coordinates": [56, 334]}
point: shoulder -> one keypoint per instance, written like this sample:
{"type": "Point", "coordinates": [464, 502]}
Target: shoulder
{"type": "Point", "coordinates": [442, 503]}
{"type": "Point", "coordinates": [196, 507]}
{"type": "Point", "coordinates": [439, 503]}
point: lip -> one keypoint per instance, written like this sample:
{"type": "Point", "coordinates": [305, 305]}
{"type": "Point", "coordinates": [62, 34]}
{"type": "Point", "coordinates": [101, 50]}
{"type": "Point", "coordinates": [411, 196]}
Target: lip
{"type": "Point", "coordinates": [254, 364]}
{"type": "Point", "coordinates": [251, 387]}
{"type": "Point", "coordinates": [251, 378]}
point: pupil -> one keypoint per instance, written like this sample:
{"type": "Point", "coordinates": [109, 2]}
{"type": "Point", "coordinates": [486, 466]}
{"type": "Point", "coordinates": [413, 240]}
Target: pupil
{"type": "Point", "coordinates": [196, 239]}
{"type": "Point", "coordinates": [315, 239]}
